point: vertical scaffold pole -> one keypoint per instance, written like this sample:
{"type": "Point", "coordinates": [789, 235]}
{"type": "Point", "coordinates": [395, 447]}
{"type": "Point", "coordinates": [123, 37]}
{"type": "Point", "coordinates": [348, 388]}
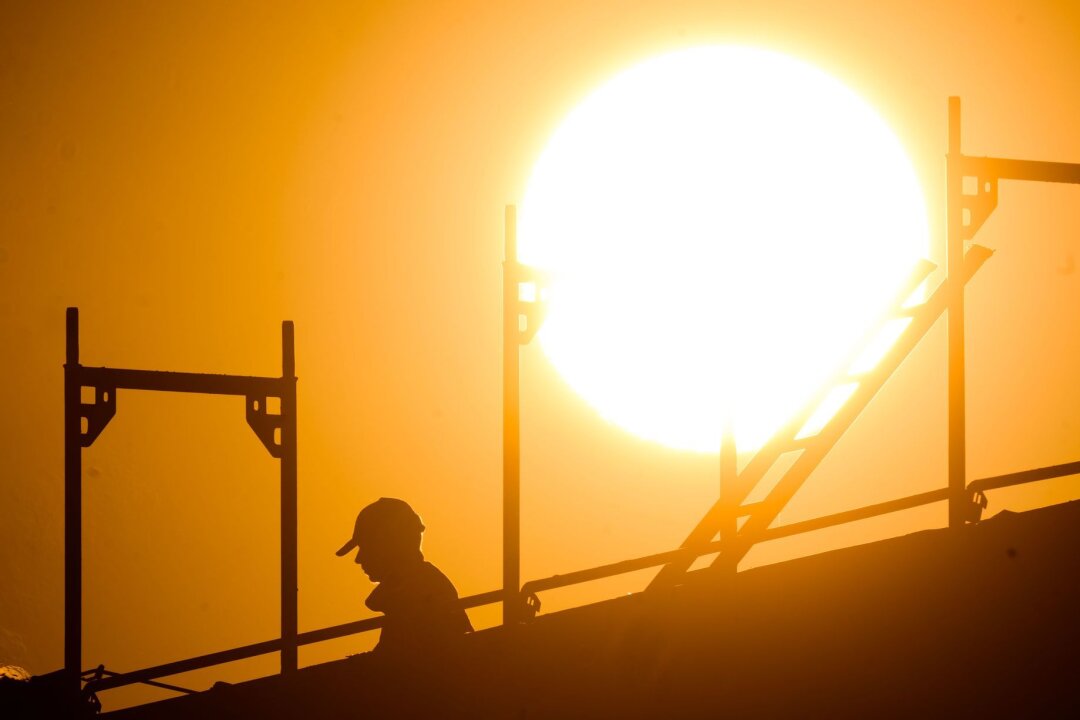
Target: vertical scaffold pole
{"type": "Point", "coordinates": [729, 473]}
{"type": "Point", "coordinates": [289, 590]}
{"type": "Point", "coordinates": [511, 426]}
{"type": "Point", "coordinates": [72, 503]}
{"type": "Point", "coordinates": [954, 261]}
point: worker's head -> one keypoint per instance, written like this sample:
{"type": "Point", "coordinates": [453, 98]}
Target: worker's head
{"type": "Point", "coordinates": [387, 536]}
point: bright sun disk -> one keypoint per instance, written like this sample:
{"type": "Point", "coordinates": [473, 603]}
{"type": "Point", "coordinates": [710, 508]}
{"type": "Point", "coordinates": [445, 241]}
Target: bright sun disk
{"type": "Point", "coordinates": [722, 224]}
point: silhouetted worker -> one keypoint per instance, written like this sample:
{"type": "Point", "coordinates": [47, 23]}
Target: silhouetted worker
{"type": "Point", "coordinates": [420, 603]}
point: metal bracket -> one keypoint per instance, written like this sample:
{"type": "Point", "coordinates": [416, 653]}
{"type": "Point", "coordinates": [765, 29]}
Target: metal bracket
{"type": "Point", "coordinates": [532, 606]}
{"type": "Point", "coordinates": [91, 703]}
{"type": "Point", "coordinates": [97, 414]}
{"type": "Point", "coordinates": [267, 426]}
{"type": "Point", "coordinates": [978, 198]}
{"type": "Point", "coordinates": [975, 506]}
{"type": "Point", "coordinates": [533, 307]}
{"type": "Point", "coordinates": [94, 675]}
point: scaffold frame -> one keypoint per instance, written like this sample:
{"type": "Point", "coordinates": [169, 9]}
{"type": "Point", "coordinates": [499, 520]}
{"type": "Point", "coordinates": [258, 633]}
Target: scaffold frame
{"type": "Point", "coordinates": [524, 302]}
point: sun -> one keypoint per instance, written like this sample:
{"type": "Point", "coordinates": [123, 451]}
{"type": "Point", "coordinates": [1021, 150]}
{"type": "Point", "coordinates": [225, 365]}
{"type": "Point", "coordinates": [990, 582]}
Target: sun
{"type": "Point", "coordinates": [721, 225]}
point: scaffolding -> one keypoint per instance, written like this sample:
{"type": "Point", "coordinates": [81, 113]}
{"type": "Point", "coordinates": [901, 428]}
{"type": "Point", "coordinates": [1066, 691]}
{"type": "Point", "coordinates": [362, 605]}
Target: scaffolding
{"type": "Point", "coordinates": [971, 196]}
{"type": "Point", "coordinates": [84, 422]}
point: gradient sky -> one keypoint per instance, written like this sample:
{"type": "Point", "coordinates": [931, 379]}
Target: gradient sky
{"type": "Point", "coordinates": [190, 174]}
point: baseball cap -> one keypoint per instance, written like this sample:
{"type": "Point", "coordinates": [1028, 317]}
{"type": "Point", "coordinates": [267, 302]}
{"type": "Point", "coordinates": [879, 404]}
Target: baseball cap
{"type": "Point", "coordinates": [383, 515]}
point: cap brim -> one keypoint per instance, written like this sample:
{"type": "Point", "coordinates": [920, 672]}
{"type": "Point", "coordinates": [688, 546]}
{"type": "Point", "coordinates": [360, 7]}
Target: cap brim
{"type": "Point", "coordinates": [347, 547]}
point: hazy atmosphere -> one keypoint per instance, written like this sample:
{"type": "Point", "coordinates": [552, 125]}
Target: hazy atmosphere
{"type": "Point", "coordinates": [191, 174]}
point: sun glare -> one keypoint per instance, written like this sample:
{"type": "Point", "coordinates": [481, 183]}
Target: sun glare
{"type": "Point", "coordinates": [722, 225]}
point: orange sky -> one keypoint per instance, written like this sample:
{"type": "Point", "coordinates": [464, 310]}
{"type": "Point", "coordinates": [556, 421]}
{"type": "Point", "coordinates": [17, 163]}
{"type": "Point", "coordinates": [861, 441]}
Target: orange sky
{"type": "Point", "coordinates": [190, 174]}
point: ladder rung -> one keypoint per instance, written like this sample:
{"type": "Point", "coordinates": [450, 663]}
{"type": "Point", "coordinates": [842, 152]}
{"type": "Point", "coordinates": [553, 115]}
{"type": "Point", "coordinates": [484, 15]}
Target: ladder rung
{"type": "Point", "coordinates": [907, 312]}
{"type": "Point", "coordinates": [799, 443]}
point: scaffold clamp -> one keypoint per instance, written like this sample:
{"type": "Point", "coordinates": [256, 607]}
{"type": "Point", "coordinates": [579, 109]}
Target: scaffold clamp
{"type": "Point", "coordinates": [96, 415]}
{"type": "Point", "coordinates": [267, 426]}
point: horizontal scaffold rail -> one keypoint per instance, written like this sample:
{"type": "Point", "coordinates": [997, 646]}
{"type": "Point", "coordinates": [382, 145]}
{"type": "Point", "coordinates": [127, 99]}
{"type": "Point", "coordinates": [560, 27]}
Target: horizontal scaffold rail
{"type": "Point", "coordinates": [1025, 476]}
{"type": "Point", "coordinates": [185, 382]}
{"type": "Point", "coordinates": [1008, 169]}
{"type": "Point", "coordinates": [263, 648]}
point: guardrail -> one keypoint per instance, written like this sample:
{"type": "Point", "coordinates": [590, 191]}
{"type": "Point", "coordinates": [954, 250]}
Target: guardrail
{"type": "Point", "coordinates": [99, 679]}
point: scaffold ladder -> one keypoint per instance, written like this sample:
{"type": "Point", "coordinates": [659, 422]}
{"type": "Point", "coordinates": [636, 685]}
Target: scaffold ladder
{"type": "Point", "coordinates": [812, 444]}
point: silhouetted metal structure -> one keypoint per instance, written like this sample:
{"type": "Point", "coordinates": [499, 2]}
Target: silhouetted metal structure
{"type": "Point", "coordinates": [971, 197]}
{"type": "Point", "coordinates": [972, 192]}
{"type": "Point", "coordinates": [84, 421]}
{"type": "Point", "coordinates": [524, 290]}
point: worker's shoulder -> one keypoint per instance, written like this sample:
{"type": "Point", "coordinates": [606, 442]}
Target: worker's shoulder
{"type": "Point", "coordinates": [434, 580]}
